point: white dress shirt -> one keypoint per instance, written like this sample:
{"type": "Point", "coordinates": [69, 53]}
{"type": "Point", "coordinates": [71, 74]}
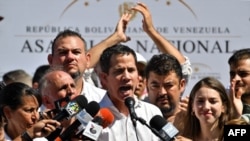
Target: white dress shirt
{"type": "Point", "coordinates": [122, 128]}
{"type": "Point", "coordinates": [91, 92]}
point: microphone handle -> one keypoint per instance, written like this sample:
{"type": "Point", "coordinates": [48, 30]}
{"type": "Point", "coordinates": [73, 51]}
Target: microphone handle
{"type": "Point", "coordinates": [132, 115]}
{"type": "Point", "coordinates": [142, 121]}
{"type": "Point", "coordinates": [54, 134]}
{"type": "Point", "coordinates": [66, 134]}
{"type": "Point", "coordinates": [60, 116]}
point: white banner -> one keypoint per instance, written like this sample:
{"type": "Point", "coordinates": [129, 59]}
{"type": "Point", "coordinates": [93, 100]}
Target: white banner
{"type": "Point", "coordinates": [206, 31]}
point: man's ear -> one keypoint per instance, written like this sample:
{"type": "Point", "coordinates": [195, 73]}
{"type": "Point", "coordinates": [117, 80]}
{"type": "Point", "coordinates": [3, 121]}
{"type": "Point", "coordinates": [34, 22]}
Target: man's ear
{"type": "Point", "coordinates": [49, 58]}
{"type": "Point", "coordinates": [88, 59]}
{"type": "Point", "coordinates": [7, 112]}
{"type": "Point", "coordinates": [182, 85]}
{"type": "Point", "coordinates": [103, 77]}
{"type": "Point", "coordinates": [46, 102]}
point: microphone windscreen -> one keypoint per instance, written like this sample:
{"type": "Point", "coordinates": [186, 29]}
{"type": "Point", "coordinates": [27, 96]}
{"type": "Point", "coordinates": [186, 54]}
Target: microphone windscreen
{"type": "Point", "coordinates": [107, 117]}
{"type": "Point", "coordinates": [93, 108]}
{"type": "Point", "coordinates": [157, 122]}
{"type": "Point", "coordinates": [81, 100]}
{"type": "Point", "coordinates": [129, 102]}
{"type": "Point", "coordinates": [73, 107]}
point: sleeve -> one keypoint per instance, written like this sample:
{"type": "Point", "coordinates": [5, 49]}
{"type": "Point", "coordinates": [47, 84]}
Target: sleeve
{"type": "Point", "coordinates": [186, 69]}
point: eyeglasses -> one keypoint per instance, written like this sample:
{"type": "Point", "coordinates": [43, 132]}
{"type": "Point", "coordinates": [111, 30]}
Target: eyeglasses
{"type": "Point", "coordinates": [240, 73]}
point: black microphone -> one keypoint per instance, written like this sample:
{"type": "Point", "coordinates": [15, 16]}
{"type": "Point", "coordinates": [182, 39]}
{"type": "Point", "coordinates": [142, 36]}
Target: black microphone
{"type": "Point", "coordinates": [82, 119]}
{"type": "Point", "coordinates": [72, 108]}
{"type": "Point", "coordinates": [130, 102]}
{"type": "Point", "coordinates": [165, 129]}
{"type": "Point", "coordinates": [59, 104]}
{"type": "Point", "coordinates": [92, 130]}
{"type": "Point", "coordinates": [143, 122]}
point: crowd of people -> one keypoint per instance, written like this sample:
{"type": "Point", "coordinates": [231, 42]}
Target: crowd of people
{"type": "Point", "coordinates": [133, 89]}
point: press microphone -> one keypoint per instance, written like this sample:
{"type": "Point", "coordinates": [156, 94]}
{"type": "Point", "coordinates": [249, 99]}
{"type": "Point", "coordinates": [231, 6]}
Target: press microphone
{"type": "Point", "coordinates": [94, 127]}
{"type": "Point", "coordinates": [82, 119]}
{"type": "Point", "coordinates": [87, 115]}
{"type": "Point", "coordinates": [59, 106]}
{"type": "Point", "coordinates": [106, 116]}
{"type": "Point", "coordinates": [165, 129]}
{"type": "Point", "coordinates": [130, 102]}
{"type": "Point", "coordinates": [72, 108]}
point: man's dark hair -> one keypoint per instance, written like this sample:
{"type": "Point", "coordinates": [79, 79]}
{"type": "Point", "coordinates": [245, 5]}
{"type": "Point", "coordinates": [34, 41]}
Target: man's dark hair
{"type": "Point", "coordinates": [238, 55]}
{"type": "Point", "coordinates": [163, 64]}
{"type": "Point", "coordinates": [64, 34]}
{"type": "Point", "coordinates": [40, 71]}
{"type": "Point", "coordinates": [105, 58]}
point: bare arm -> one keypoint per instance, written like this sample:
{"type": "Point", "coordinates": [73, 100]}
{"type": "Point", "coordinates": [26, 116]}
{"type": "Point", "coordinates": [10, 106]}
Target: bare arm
{"type": "Point", "coordinates": [162, 43]}
{"type": "Point", "coordinates": [117, 37]}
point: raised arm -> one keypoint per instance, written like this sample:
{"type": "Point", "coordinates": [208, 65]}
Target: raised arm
{"type": "Point", "coordinates": [117, 37]}
{"type": "Point", "coordinates": [162, 43]}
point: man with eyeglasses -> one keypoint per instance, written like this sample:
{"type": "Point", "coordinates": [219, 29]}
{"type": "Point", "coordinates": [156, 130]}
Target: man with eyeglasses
{"type": "Point", "coordinates": [239, 64]}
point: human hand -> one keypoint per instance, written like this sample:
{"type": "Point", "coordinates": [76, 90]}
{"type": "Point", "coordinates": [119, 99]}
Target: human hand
{"type": "Point", "coordinates": [235, 97]}
{"type": "Point", "coordinates": [48, 114]}
{"type": "Point", "coordinates": [43, 128]}
{"type": "Point", "coordinates": [122, 26]}
{"type": "Point", "coordinates": [184, 104]}
{"type": "Point", "coordinates": [147, 22]}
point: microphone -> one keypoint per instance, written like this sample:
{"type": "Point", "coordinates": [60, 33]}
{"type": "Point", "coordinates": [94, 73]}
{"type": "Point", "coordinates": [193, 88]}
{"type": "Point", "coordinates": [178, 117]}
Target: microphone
{"type": "Point", "coordinates": [82, 119]}
{"type": "Point", "coordinates": [93, 129]}
{"type": "Point", "coordinates": [72, 108]}
{"type": "Point", "coordinates": [106, 116]}
{"type": "Point", "coordinates": [165, 129]}
{"type": "Point", "coordinates": [59, 104]}
{"type": "Point", "coordinates": [87, 115]}
{"type": "Point", "coordinates": [130, 102]}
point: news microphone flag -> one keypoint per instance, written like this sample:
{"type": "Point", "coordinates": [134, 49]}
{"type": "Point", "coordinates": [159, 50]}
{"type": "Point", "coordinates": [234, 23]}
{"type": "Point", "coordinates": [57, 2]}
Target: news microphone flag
{"type": "Point", "coordinates": [92, 130]}
{"type": "Point", "coordinates": [82, 119]}
{"type": "Point", "coordinates": [72, 108]}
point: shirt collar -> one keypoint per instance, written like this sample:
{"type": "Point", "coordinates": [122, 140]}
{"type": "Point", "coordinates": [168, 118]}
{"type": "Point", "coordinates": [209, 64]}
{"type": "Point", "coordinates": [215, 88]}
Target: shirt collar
{"type": "Point", "coordinates": [106, 102]}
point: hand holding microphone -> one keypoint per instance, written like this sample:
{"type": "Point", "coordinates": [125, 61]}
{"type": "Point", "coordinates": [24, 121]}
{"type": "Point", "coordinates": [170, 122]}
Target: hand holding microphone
{"type": "Point", "coordinates": [40, 129]}
{"type": "Point", "coordinates": [89, 123]}
{"type": "Point", "coordinates": [71, 109]}
{"type": "Point", "coordinates": [82, 119]}
{"type": "Point", "coordinates": [47, 125]}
